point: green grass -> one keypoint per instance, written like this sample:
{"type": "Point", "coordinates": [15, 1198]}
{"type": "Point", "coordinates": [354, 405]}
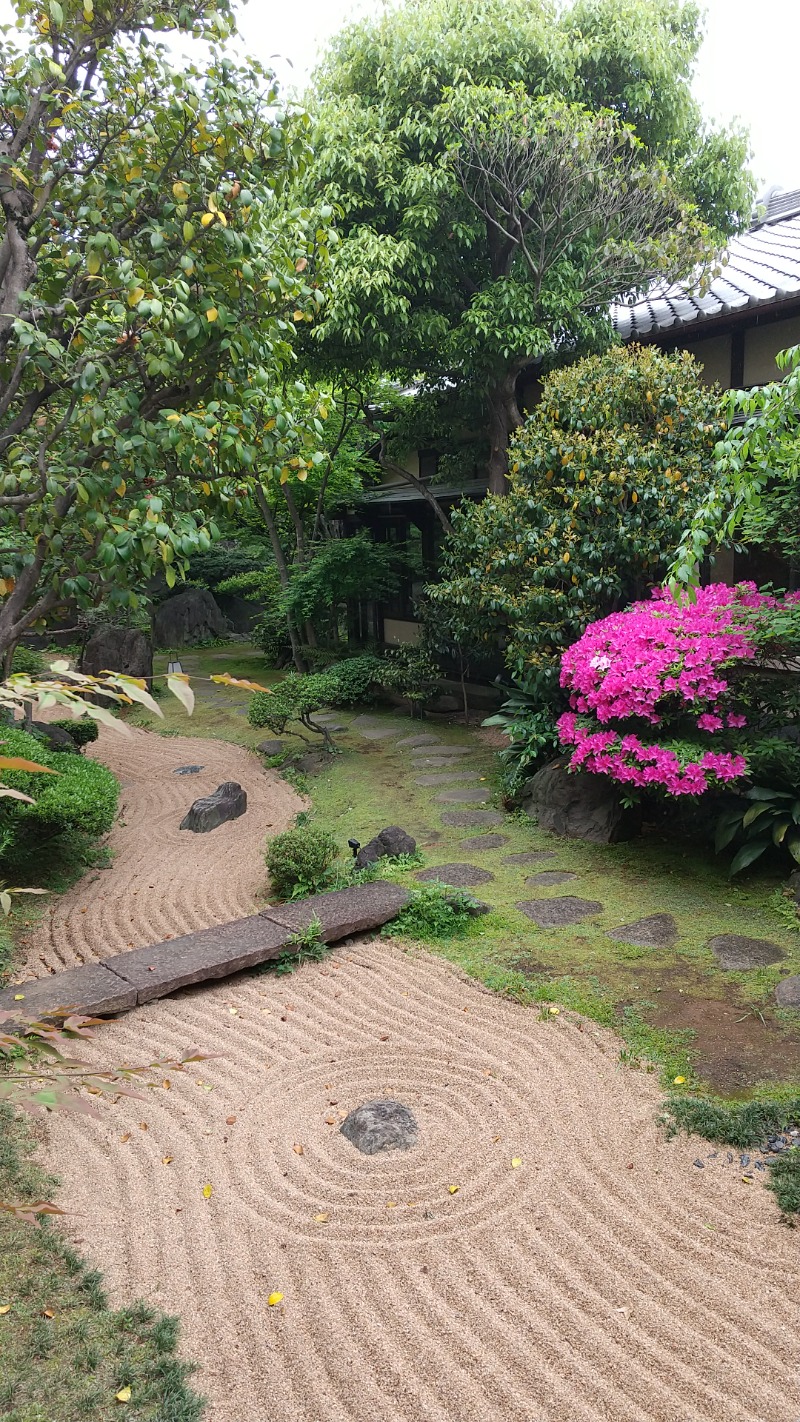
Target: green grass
{"type": "Point", "coordinates": [744, 1124]}
{"type": "Point", "coordinates": [661, 1001]}
{"type": "Point", "coordinates": [68, 1367]}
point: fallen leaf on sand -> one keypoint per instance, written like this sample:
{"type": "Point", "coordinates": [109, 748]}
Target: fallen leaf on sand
{"type": "Point", "coordinates": [391, 1204]}
{"type": "Point", "coordinates": [298, 1149]}
{"type": "Point", "coordinates": [5, 1308]}
{"type": "Point", "coordinates": [167, 1084]}
{"type": "Point", "coordinates": [453, 1189]}
{"type": "Point", "coordinates": [143, 1126]}
{"type": "Point", "coordinates": [274, 1299]}
{"type": "Point", "coordinates": [230, 1120]}
{"type": "Point", "coordinates": [126, 1137]}
{"type": "Point", "coordinates": [322, 1218]}
{"type": "Point", "coordinates": [208, 1191]}
{"type": "Point", "coordinates": [234, 1011]}
{"type": "Point", "coordinates": [124, 1395]}
{"type": "Point", "coordinates": [516, 1162]}
{"type": "Point", "coordinates": [330, 1120]}
{"type": "Point", "coordinates": [495, 1139]}
{"type": "Point", "coordinates": [166, 1160]}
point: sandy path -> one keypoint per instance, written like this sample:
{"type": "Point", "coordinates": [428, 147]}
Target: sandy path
{"type": "Point", "coordinates": [164, 881]}
{"type": "Point", "coordinates": [604, 1278]}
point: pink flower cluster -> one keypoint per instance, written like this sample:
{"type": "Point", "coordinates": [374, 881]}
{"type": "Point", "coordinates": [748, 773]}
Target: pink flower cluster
{"type": "Point", "coordinates": [657, 660]}
{"type": "Point", "coordinates": [629, 760]}
{"type": "Point", "coordinates": [627, 665]}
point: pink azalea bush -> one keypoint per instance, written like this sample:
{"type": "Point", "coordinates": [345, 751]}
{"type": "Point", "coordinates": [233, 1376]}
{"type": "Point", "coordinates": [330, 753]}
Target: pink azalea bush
{"type": "Point", "coordinates": [668, 665]}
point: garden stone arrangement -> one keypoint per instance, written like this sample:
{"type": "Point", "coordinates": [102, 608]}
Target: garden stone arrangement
{"type": "Point", "coordinates": [228, 802]}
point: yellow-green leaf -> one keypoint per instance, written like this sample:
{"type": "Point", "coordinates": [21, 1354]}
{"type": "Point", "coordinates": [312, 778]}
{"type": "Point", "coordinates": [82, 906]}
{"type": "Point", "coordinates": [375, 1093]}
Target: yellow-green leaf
{"type": "Point", "coordinates": [188, 231]}
{"type": "Point", "coordinates": [93, 262]}
{"type": "Point", "coordinates": [225, 679]}
{"type": "Point", "coordinates": [135, 296]}
{"type": "Point", "coordinates": [124, 1395]}
{"type": "Point", "coordinates": [274, 1299]}
{"type": "Point", "coordinates": [212, 313]}
{"type": "Point", "coordinates": [208, 1191]}
{"type": "Point", "coordinates": [178, 684]}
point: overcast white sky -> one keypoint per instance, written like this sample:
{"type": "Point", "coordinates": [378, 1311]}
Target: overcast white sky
{"type": "Point", "coordinates": [747, 69]}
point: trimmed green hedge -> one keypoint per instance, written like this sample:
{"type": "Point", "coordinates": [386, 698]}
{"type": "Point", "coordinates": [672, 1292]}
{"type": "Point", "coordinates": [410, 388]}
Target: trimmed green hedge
{"type": "Point", "coordinates": [83, 731]}
{"type": "Point", "coordinates": [82, 796]}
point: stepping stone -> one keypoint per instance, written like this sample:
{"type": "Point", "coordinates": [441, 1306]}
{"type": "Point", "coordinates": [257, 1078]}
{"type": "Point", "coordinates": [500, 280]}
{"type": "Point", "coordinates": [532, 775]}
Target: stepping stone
{"type": "Point", "coordinates": [436, 762]}
{"type": "Point", "coordinates": [441, 753]}
{"type": "Point", "coordinates": [270, 747]}
{"type": "Point", "coordinates": [458, 876]}
{"type": "Point", "coordinates": [532, 858]}
{"type": "Point", "coordinates": [658, 930]}
{"type": "Point", "coordinates": [463, 797]}
{"type": "Point", "coordinates": [557, 913]}
{"type": "Point", "coordinates": [446, 777]}
{"type": "Point", "coordinates": [787, 993]}
{"type": "Point", "coordinates": [737, 954]}
{"type": "Point", "coordinates": [187, 770]}
{"type": "Point", "coordinates": [342, 912]}
{"type": "Point", "coordinates": [484, 841]}
{"type": "Point", "coordinates": [472, 819]}
{"type": "Point", "coordinates": [419, 741]}
{"type": "Point", "coordinates": [381, 1125]}
{"type": "Point", "coordinates": [548, 877]}
{"type": "Point", "coordinates": [325, 716]}
{"type": "Point", "coordinates": [331, 725]}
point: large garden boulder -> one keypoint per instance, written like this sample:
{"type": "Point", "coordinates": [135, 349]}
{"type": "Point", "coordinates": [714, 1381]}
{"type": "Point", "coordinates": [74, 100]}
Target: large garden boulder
{"type": "Point", "coordinates": [188, 619]}
{"type": "Point", "coordinates": [388, 844]}
{"type": "Point", "coordinates": [118, 649]}
{"type": "Point", "coordinates": [228, 802]}
{"type": "Point", "coordinates": [579, 806]}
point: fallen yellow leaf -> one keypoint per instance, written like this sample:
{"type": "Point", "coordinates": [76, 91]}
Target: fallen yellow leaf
{"type": "Point", "coordinates": [274, 1299]}
{"type": "Point", "coordinates": [555, 1011]}
{"type": "Point", "coordinates": [453, 1189]}
{"type": "Point", "coordinates": [516, 1162]}
{"type": "Point", "coordinates": [124, 1395]}
{"type": "Point", "coordinates": [391, 1204]}
{"type": "Point", "coordinates": [678, 1080]}
{"type": "Point", "coordinates": [212, 313]}
{"type": "Point", "coordinates": [5, 1308]}
{"type": "Point", "coordinates": [126, 1137]}
{"type": "Point", "coordinates": [19, 997]}
{"type": "Point", "coordinates": [47, 1313]}
{"type": "Point", "coordinates": [322, 1218]}
{"type": "Point", "coordinates": [208, 1190]}
{"type": "Point", "coordinates": [166, 1160]}
{"type": "Point", "coordinates": [298, 1149]}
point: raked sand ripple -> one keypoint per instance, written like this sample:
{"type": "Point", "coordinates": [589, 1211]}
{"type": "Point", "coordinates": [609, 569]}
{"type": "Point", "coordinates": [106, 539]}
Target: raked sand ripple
{"type": "Point", "coordinates": [604, 1277]}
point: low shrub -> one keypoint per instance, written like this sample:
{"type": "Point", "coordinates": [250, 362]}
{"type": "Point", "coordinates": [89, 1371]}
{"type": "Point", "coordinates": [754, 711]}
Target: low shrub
{"type": "Point", "coordinates": [357, 678]}
{"type": "Point", "coordinates": [26, 661]}
{"type": "Point", "coordinates": [300, 861]}
{"type": "Point", "coordinates": [83, 731]}
{"type": "Point", "coordinates": [296, 698]}
{"type": "Point", "coordinates": [434, 911]}
{"type": "Point", "coordinates": [82, 796]}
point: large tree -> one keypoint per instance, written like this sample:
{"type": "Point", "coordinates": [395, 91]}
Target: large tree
{"type": "Point", "coordinates": [155, 263]}
{"type": "Point", "coordinates": [504, 170]}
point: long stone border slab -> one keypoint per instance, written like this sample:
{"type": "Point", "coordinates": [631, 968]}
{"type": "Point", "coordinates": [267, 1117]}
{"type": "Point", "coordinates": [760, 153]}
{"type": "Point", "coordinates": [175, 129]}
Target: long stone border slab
{"type": "Point", "coordinates": [128, 980]}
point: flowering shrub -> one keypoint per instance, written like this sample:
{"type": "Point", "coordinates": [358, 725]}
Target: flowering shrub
{"type": "Point", "coordinates": [676, 666]}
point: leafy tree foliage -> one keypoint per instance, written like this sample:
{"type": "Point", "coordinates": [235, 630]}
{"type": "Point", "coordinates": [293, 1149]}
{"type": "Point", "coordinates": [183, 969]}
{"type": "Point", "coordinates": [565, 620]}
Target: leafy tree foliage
{"type": "Point", "coordinates": [605, 474]}
{"type": "Point", "coordinates": [154, 267]}
{"type": "Point", "coordinates": [755, 494]}
{"type": "Point", "coordinates": [504, 170]}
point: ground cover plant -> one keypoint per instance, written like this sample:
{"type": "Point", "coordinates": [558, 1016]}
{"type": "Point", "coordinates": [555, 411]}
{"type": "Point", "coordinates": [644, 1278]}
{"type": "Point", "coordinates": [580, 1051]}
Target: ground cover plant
{"type": "Point", "coordinates": [301, 861]}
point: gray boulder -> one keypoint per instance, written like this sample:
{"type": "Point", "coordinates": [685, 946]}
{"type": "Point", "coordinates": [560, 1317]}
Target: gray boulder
{"type": "Point", "coordinates": [55, 736]}
{"type": "Point", "coordinates": [389, 843]}
{"type": "Point", "coordinates": [579, 806]}
{"type": "Point", "coordinates": [118, 649]}
{"type": "Point", "coordinates": [228, 802]}
{"type": "Point", "coordinates": [188, 619]}
{"type": "Point", "coordinates": [381, 1125]}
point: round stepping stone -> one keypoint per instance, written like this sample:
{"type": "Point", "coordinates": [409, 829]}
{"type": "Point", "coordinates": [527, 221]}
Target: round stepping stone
{"type": "Point", "coordinates": [787, 993]}
{"type": "Point", "coordinates": [458, 876]}
{"type": "Point", "coordinates": [442, 752]}
{"type": "Point", "coordinates": [374, 733]}
{"type": "Point", "coordinates": [737, 954]}
{"type": "Point", "coordinates": [658, 930]}
{"type": "Point", "coordinates": [532, 858]}
{"type": "Point", "coordinates": [548, 877]}
{"type": "Point", "coordinates": [463, 797]}
{"type": "Point", "coordinates": [325, 716]}
{"type": "Point", "coordinates": [381, 1125]}
{"type": "Point", "coordinates": [446, 777]}
{"type": "Point", "coordinates": [484, 841]}
{"type": "Point", "coordinates": [187, 770]}
{"type": "Point", "coordinates": [419, 741]}
{"type": "Point", "coordinates": [557, 913]}
{"type": "Point", "coordinates": [436, 762]}
{"type": "Point", "coordinates": [331, 725]}
{"type": "Point", "coordinates": [472, 819]}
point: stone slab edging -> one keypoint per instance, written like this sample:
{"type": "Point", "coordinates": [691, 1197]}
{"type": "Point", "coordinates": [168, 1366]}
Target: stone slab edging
{"type": "Point", "coordinates": [128, 980]}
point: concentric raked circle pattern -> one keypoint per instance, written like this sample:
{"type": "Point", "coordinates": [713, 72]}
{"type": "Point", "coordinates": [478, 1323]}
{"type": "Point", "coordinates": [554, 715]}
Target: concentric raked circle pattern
{"type": "Point", "coordinates": [603, 1278]}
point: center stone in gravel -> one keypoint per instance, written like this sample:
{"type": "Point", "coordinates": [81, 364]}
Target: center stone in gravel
{"type": "Point", "coordinates": [381, 1125]}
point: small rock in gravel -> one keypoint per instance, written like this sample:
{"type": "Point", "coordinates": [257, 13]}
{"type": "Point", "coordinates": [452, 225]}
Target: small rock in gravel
{"type": "Point", "coordinates": [187, 770]}
{"type": "Point", "coordinates": [381, 1125]}
{"type": "Point", "coordinates": [744, 1160]}
{"type": "Point", "coordinates": [700, 1165]}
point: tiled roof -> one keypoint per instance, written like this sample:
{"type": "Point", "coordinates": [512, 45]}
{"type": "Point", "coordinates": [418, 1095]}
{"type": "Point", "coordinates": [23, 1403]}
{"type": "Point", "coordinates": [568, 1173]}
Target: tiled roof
{"type": "Point", "coordinates": [761, 267]}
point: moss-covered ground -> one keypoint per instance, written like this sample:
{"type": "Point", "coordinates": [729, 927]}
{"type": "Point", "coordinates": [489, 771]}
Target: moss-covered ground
{"type": "Point", "coordinates": [673, 1006]}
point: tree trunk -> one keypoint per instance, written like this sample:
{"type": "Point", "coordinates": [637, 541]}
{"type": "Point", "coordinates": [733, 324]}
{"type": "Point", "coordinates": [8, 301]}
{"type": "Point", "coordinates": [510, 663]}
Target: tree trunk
{"type": "Point", "coordinates": [505, 416]}
{"type": "Point", "coordinates": [283, 572]}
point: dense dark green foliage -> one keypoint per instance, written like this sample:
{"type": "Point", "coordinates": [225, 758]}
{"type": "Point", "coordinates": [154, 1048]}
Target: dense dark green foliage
{"type": "Point", "coordinates": [83, 731]}
{"type": "Point", "coordinates": [300, 861]}
{"type": "Point", "coordinates": [433, 912]}
{"type": "Point", "coordinates": [82, 797]}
